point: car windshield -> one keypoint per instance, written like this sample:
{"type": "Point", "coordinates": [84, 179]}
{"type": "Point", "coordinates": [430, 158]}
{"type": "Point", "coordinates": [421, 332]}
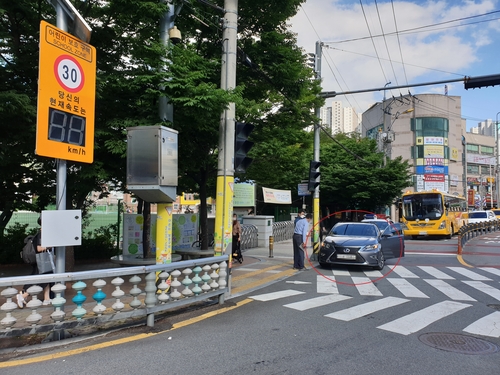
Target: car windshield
{"type": "Point", "coordinates": [477, 215]}
{"type": "Point", "coordinates": [362, 230]}
{"type": "Point", "coordinates": [381, 224]}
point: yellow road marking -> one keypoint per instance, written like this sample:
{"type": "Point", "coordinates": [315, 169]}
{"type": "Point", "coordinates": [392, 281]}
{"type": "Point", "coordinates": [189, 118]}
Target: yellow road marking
{"type": "Point", "coordinates": [124, 340]}
{"type": "Point", "coordinates": [463, 262]}
{"type": "Point", "coordinates": [265, 280]}
{"type": "Point", "coordinates": [258, 272]}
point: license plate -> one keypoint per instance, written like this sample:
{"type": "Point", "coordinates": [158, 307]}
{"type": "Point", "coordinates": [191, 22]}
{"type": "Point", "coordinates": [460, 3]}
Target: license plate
{"type": "Point", "coordinates": [423, 233]}
{"type": "Point", "coordinates": [346, 256]}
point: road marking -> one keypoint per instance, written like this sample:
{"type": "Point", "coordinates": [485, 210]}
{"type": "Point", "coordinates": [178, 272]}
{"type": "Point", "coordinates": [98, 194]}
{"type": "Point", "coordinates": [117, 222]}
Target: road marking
{"type": "Point", "coordinates": [436, 273]}
{"type": "Point", "coordinates": [241, 269]}
{"type": "Point", "coordinates": [340, 273]}
{"type": "Point", "coordinates": [486, 326]}
{"type": "Point", "coordinates": [468, 273]}
{"type": "Point", "coordinates": [485, 288]}
{"type": "Point", "coordinates": [258, 272]}
{"type": "Point", "coordinates": [365, 286]}
{"type": "Point", "coordinates": [428, 253]}
{"type": "Point", "coordinates": [420, 319]}
{"type": "Point", "coordinates": [463, 262]}
{"type": "Point", "coordinates": [449, 290]}
{"type": "Point", "coordinates": [407, 289]}
{"type": "Point", "coordinates": [494, 271]}
{"type": "Point", "coordinates": [323, 285]}
{"type": "Point", "coordinates": [276, 295]}
{"type": "Point", "coordinates": [376, 274]}
{"type": "Point", "coordinates": [316, 302]}
{"type": "Point", "coordinates": [404, 272]}
{"type": "Point", "coordinates": [124, 340]}
{"type": "Point", "coordinates": [366, 308]}
{"type": "Point", "coordinates": [262, 281]}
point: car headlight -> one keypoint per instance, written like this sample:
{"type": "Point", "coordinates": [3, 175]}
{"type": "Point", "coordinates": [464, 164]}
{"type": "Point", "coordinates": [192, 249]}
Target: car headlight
{"type": "Point", "coordinates": [327, 245]}
{"type": "Point", "coordinates": [443, 225]}
{"type": "Point", "coordinates": [371, 247]}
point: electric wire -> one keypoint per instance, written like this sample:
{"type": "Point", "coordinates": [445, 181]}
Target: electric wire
{"type": "Point", "coordinates": [399, 41]}
{"type": "Point", "coordinates": [385, 42]}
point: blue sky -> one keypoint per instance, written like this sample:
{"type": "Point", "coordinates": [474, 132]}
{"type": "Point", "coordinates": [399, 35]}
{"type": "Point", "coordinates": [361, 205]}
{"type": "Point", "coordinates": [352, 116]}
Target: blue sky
{"type": "Point", "coordinates": [463, 41]}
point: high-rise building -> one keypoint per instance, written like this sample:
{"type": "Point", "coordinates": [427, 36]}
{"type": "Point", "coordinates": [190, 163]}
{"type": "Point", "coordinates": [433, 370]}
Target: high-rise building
{"type": "Point", "coordinates": [339, 119]}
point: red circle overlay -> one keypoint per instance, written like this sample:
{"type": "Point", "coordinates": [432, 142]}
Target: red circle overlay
{"type": "Point", "coordinates": [56, 73]}
{"type": "Point", "coordinates": [340, 282]}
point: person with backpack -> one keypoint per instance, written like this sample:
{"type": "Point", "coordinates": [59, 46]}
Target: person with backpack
{"type": "Point", "coordinates": [23, 294]}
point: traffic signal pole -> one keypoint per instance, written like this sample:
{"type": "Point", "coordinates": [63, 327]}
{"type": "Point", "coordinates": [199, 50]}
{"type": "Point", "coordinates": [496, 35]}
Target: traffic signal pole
{"type": "Point", "coordinates": [225, 164]}
{"type": "Point", "coordinates": [316, 210]}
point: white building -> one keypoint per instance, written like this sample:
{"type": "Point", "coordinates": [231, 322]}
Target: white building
{"type": "Point", "coordinates": [339, 119]}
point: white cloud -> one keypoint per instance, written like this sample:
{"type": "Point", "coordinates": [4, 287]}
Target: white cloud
{"type": "Point", "coordinates": [433, 55]}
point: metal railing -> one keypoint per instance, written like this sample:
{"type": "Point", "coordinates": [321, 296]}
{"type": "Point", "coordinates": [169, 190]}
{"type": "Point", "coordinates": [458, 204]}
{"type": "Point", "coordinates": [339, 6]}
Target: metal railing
{"type": "Point", "coordinates": [283, 231]}
{"type": "Point", "coordinates": [166, 286]}
{"type": "Point", "coordinates": [469, 231]}
{"type": "Point", "coordinates": [249, 236]}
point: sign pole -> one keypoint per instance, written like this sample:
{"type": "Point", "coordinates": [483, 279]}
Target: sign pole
{"type": "Point", "coordinates": [61, 166]}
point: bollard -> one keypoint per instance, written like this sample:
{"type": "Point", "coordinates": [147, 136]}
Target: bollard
{"type": "Point", "coordinates": [271, 246]}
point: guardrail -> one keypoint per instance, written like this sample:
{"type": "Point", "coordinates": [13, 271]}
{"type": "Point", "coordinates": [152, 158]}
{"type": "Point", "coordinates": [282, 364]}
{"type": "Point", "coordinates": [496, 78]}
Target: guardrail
{"type": "Point", "coordinates": [166, 286]}
{"type": "Point", "coordinates": [249, 236]}
{"type": "Point", "coordinates": [473, 230]}
{"type": "Point", "coordinates": [283, 230]}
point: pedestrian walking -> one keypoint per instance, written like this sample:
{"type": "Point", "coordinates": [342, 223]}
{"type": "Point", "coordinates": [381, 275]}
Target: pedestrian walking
{"type": "Point", "coordinates": [237, 240]}
{"type": "Point", "coordinates": [23, 294]}
{"type": "Point", "coordinates": [300, 241]}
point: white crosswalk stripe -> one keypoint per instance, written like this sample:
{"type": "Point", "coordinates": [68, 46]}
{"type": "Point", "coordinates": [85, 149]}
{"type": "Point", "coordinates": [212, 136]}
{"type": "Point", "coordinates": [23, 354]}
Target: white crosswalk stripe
{"type": "Point", "coordinates": [326, 285]}
{"type": "Point", "coordinates": [376, 274]}
{"type": "Point", "coordinates": [485, 288]}
{"type": "Point", "coordinates": [486, 326]}
{"type": "Point", "coordinates": [335, 289]}
{"type": "Point", "coordinates": [436, 273]}
{"type": "Point", "coordinates": [366, 308]}
{"type": "Point", "coordinates": [365, 286]}
{"type": "Point", "coordinates": [404, 272]}
{"type": "Point", "coordinates": [276, 295]}
{"type": "Point", "coordinates": [316, 302]}
{"type": "Point", "coordinates": [418, 320]}
{"type": "Point", "coordinates": [449, 290]}
{"type": "Point", "coordinates": [469, 274]}
{"type": "Point", "coordinates": [494, 271]}
{"type": "Point", "coordinates": [407, 289]}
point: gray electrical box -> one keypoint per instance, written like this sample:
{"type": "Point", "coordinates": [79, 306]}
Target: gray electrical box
{"type": "Point", "coordinates": [152, 161]}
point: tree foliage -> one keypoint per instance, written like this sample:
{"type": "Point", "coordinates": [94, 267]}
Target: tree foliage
{"type": "Point", "coordinates": [353, 175]}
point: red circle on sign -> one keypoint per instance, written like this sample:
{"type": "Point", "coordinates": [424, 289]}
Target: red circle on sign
{"type": "Point", "coordinates": [69, 73]}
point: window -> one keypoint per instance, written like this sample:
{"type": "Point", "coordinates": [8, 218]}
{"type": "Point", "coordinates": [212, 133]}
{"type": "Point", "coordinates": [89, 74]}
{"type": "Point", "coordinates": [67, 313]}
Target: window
{"type": "Point", "coordinates": [487, 150]}
{"type": "Point", "coordinates": [430, 127]}
{"type": "Point", "coordinates": [485, 169]}
{"type": "Point", "coordinates": [472, 169]}
{"type": "Point", "coordinates": [474, 149]}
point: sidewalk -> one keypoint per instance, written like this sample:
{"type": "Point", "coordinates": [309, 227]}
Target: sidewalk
{"type": "Point", "coordinates": [257, 270]}
{"type": "Point", "coordinates": [483, 251]}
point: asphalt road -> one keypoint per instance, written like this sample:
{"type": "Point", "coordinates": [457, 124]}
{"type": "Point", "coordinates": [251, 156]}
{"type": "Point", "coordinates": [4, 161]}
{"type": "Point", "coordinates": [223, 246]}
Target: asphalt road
{"type": "Point", "coordinates": [339, 321]}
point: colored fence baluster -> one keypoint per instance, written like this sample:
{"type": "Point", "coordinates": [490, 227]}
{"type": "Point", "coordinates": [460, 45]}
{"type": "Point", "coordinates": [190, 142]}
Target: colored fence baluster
{"type": "Point", "coordinates": [99, 296]}
{"type": "Point", "coordinates": [79, 299]}
{"type": "Point", "coordinates": [197, 280]}
{"type": "Point", "coordinates": [187, 282]}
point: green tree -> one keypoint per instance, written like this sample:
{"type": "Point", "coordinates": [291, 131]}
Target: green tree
{"type": "Point", "coordinates": [353, 175]}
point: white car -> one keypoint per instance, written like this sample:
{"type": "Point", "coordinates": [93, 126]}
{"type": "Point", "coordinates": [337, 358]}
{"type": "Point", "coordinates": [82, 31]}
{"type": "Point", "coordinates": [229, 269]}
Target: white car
{"type": "Point", "coordinates": [481, 216]}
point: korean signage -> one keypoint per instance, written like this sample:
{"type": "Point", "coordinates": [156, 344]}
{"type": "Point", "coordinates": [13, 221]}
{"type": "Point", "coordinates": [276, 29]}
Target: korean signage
{"type": "Point", "coordinates": [434, 177]}
{"type": "Point", "coordinates": [431, 151]}
{"type": "Point", "coordinates": [433, 141]}
{"type": "Point", "coordinates": [434, 161]}
{"type": "Point", "coordinates": [66, 96]}
{"type": "Point", "coordinates": [303, 190]}
{"type": "Point", "coordinates": [277, 196]}
{"type": "Point", "coordinates": [244, 195]}
{"type": "Point", "coordinates": [480, 159]}
{"type": "Point", "coordinates": [432, 169]}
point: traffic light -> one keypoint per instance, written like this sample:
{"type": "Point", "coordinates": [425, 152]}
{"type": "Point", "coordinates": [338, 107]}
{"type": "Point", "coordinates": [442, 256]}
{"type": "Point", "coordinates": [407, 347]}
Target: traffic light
{"type": "Point", "coordinates": [481, 81]}
{"type": "Point", "coordinates": [313, 175]}
{"type": "Point", "coordinates": [241, 146]}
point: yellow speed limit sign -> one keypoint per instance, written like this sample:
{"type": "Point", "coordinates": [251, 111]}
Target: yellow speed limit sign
{"type": "Point", "coordinates": [66, 96]}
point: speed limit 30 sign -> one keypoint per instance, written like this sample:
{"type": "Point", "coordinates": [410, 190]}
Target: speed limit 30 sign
{"type": "Point", "coordinates": [66, 96]}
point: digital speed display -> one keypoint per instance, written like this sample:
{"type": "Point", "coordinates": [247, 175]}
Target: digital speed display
{"type": "Point", "coordinates": [66, 127]}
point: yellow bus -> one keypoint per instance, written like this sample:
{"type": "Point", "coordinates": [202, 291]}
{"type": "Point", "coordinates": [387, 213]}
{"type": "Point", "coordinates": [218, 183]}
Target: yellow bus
{"type": "Point", "coordinates": [433, 213]}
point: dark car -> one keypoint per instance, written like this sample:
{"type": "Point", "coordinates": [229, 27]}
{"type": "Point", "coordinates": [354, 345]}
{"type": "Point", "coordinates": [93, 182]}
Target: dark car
{"type": "Point", "coordinates": [361, 244]}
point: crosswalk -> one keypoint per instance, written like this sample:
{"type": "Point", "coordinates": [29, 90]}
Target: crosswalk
{"type": "Point", "coordinates": [454, 288]}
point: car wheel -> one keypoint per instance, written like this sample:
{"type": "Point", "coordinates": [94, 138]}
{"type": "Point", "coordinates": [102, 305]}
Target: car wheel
{"type": "Point", "coordinates": [381, 262]}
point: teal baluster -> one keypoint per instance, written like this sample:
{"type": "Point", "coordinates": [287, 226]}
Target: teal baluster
{"type": "Point", "coordinates": [58, 302]}
{"type": "Point", "coordinates": [187, 282]}
{"type": "Point", "coordinates": [79, 299]}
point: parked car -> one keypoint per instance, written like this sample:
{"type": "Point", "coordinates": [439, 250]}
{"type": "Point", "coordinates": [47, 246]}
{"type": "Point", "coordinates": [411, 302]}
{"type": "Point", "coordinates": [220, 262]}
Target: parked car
{"type": "Point", "coordinates": [481, 216]}
{"type": "Point", "coordinates": [362, 244]}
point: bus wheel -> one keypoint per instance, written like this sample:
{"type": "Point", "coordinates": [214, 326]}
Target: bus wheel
{"type": "Point", "coordinates": [451, 233]}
